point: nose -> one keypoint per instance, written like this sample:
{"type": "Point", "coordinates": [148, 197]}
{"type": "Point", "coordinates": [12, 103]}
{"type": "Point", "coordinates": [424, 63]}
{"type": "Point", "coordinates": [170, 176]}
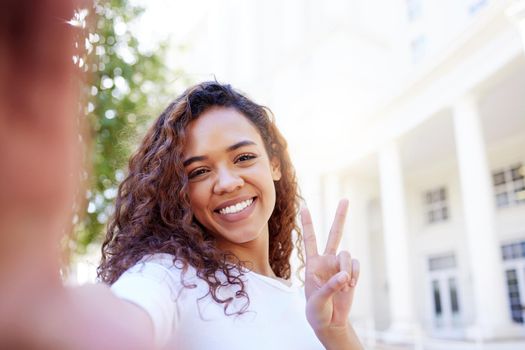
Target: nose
{"type": "Point", "coordinates": [227, 181]}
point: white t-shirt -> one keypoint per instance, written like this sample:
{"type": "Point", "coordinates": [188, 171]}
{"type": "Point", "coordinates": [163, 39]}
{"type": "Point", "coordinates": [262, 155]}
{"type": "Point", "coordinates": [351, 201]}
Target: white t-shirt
{"type": "Point", "coordinates": [188, 318]}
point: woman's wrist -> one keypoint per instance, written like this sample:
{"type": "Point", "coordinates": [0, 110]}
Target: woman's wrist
{"type": "Point", "coordinates": [339, 338]}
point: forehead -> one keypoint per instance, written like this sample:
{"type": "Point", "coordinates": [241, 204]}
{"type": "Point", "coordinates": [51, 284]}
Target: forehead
{"type": "Point", "coordinates": [218, 128]}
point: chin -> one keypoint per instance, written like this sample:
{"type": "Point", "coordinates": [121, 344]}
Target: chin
{"type": "Point", "coordinates": [242, 237]}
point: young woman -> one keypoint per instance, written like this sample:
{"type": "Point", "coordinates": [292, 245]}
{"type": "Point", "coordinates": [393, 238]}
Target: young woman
{"type": "Point", "coordinates": [201, 238]}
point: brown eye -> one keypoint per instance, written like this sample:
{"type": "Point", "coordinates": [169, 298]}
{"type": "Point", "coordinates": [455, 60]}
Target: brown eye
{"type": "Point", "coordinates": [197, 172]}
{"type": "Point", "coordinates": [245, 157]}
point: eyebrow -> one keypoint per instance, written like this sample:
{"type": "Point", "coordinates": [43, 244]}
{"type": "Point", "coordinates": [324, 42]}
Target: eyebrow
{"type": "Point", "coordinates": [229, 149]}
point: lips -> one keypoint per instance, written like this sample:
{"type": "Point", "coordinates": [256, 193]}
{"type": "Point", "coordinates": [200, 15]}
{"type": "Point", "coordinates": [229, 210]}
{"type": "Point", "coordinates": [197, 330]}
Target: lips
{"type": "Point", "coordinates": [237, 209]}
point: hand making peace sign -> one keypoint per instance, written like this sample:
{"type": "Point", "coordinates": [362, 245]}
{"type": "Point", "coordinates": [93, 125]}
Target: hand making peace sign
{"type": "Point", "coordinates": [330, 278]}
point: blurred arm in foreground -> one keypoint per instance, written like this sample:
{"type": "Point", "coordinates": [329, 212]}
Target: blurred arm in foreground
{"type": "Point", "coordinates": [39, 152]}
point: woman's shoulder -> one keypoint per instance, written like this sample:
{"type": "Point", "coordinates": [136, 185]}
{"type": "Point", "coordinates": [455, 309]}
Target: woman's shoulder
{"type": "Point", "coordinates": [162, 267]}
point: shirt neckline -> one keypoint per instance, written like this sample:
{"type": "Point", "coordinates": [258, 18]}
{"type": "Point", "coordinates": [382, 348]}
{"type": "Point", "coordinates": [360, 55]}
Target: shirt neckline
{"type": "Point", "coordinates": [272, 281]}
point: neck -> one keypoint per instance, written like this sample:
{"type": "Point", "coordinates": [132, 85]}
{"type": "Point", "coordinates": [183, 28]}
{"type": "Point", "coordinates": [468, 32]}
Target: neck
{"type": "Point", "coordinates": [255, 253]}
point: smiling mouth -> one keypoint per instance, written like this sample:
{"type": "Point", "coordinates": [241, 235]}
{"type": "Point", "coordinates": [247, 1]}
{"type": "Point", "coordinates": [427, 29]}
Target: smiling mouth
{"type": "Point", "coordinates": [236, 208]}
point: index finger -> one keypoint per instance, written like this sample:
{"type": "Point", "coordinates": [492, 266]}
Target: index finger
{"type": "Point", "coordinates": [310, 244]}
{"type": "Point", "coordinates": [336, 232]}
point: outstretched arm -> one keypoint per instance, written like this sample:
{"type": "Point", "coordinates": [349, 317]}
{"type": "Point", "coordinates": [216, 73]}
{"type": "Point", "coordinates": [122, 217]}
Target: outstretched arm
{"type": "Point", "coordinates": [87, 318]}
{"type": "Point", "coordinates": [330, 284]}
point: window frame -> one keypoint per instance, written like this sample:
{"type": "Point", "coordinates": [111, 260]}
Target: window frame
{"type": "Point", "coordinates": [436, 205]}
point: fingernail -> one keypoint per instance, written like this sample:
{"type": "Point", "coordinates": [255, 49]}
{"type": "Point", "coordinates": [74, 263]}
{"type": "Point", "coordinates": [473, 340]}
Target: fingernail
{"type": "Point", "coordinates": [352, 282]}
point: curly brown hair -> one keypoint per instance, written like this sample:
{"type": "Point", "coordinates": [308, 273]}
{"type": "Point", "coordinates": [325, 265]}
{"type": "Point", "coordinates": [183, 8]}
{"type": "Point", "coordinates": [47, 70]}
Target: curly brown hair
{"type": "Point", "coordinates": [153, 212]}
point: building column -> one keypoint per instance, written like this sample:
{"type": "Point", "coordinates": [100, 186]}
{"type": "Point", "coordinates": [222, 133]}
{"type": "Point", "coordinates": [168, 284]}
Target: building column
{"type": "Point", "coordinates": [492, 318]}
{"type": "Point", "coordinates": [395, 234]}
{"type": "Point", "coordinates": [357, 241]}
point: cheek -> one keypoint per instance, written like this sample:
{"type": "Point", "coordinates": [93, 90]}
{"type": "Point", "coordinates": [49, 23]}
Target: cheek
{"type": "Point", "coordinates": [198, 199]}
{"type": "Point", "coordinates": [266, 182]}
{"type": "Point", "coordinates": [273, 196]}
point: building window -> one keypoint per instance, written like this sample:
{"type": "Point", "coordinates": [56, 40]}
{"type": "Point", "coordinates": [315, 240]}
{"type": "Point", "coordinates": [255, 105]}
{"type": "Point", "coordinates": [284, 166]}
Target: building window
{"type": "Point", "coordinates": [443, 262]}
{"type": "Point", "coordinates": [513, 251]}
{"type": "Point", "coordinates": [453, 290]}
{"type": "Point", "coordinates": [513, 291]}
{"type": "Point", "coordinates": [414, 9]}
{"type": "Point", "coordinates": [436, 205]}
{"type": "Point", "coordinates": [436, 293]}
{"type": "Point", "coordinates": [445, 297]}
{"type": "Point", "coordinates": [513, 255]}
{"type": "Point", "coordinates": [509, 186]}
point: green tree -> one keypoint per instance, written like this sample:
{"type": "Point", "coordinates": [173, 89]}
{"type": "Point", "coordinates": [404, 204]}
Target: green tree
{"type": "Point", "coordinates": [125, 89]}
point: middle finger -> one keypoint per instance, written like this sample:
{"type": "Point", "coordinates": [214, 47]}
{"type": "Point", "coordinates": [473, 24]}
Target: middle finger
{"type": "Point", "coordinates": [336, 232]}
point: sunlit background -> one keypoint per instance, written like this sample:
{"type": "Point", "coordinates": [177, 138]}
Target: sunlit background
{"type": "Point", "coordinates": [412, 109]}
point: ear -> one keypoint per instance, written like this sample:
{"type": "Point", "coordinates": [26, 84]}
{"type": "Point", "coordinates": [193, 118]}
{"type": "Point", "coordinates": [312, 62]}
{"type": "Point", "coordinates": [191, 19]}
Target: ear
{"type": "Point", "coordinates": [276, 169]}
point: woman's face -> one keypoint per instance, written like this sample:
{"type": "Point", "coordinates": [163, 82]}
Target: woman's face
{"type": "Point", "coordinates": [231, 178]}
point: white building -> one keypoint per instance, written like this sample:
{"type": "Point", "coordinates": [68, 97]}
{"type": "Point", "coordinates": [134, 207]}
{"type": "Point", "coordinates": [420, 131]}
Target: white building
{"type": "Point", "coordinates": [438, 193]}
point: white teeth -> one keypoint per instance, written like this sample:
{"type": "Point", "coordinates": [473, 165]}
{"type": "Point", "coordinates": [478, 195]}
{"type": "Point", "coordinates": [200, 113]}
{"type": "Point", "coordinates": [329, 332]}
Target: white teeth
{"type": "Point", "coordinates": [232, 209]}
